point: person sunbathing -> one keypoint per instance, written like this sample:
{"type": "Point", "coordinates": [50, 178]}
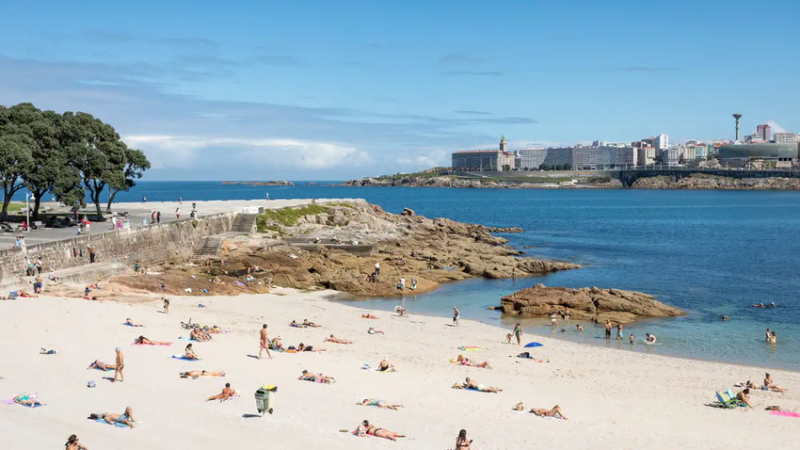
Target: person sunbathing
{"type": "Point", "coordinates": [310, 324]}
{"type": "Point", "coordinates": [276, 344]}
{"type": "Point", "coordinates": [379, 404]}
{"type": "Point", "coordinates": [367, 428]}
{"type": "Point", "coordinates": [124, 418]}
{"type": "Point", "coordinates": [199, 335]}
{"type": "Point", "coordinates": [308, 348]}
{"type": "Point", "coordinates": [336, 340]}
{"type": "Point", "coordinates": [384, 366]}
{"type": "Point", "coordinates": [213, 330]}
{"type": "Point", "coordinates": [27, 400]}
{"type": "Point", "coordinates": [226, 394]}
{"type": "Point", "coordinates": [129, 323]}
{"type": "Point", "coordinates": [472, 384]}
{"type": "Point", "coordinates": [189, 353]}
{"type": "Point", "coordinates": [768, 385]}
{"type": "Point", "coordinates": [194, 374]}
{"type": "Point", "coordinates": [471, 363]}
{"type": "Point", "coordinates": [318, 378]}
{"type": "Point", "coordinates": [141, 340]}
{"type": "Point", "coordinates": [73, 444]}
{"type": "Point", "coordinates": [97, 364]}
{"type": "Point", "coordinates": [372, 330]}
{"type": "Point", "coordinates": [555, 411]}
{"type": "Point", "coordinates": [368, 316]}
{"type": "Point", "coordinates": [297, 325]}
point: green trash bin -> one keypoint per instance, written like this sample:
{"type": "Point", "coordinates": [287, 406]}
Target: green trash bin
{"type": "Point", "coordinates": [263, 400]}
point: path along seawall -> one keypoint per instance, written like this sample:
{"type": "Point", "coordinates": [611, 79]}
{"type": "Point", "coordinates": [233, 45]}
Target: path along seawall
{"type": "Point", "coordinates": [156, 243]}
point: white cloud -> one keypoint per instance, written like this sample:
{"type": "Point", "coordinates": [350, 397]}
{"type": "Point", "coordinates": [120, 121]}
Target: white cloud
{"type": "Point", "coordinates": [775, 127]}
{"type": "Point", "coordinates": [434, 158]}
{"type": "Point", "coordinates": [167, 151]}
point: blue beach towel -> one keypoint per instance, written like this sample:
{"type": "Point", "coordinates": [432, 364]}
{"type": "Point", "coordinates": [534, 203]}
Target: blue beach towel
{"type": "Point", "coordinates": [116, 424]}
{"type": "Point", "coordinates": [183, 357]}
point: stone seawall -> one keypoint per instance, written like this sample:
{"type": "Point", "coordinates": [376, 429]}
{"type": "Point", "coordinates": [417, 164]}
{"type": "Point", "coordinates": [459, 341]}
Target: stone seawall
{"type": "Point", "coordinates": [148, 245]}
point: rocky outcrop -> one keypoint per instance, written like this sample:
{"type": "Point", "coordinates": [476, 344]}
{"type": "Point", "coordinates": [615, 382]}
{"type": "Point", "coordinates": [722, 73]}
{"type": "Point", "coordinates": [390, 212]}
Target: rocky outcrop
{"type": "Point", "coordinates": [259, 183]}
{"type": "Point", "coordinates": [592, 304]}
{"type": "Point", "coordinates": [408, 212]}
{"type": "Point", "coordinates": [702, 181]}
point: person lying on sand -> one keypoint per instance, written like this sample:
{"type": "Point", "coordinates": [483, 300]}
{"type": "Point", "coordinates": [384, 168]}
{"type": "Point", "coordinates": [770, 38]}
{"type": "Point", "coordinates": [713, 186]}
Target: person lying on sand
{"type": "Point", "coordinates": [27, 400]}
{"type": "Point", "coordinates": [368, 316]}
{"type": "Point", "coordinates": [125, 418]}
{"type": "Point", "coordinates": [469, 362]}
{"type": "Point", "coordinates": [194, 374]}
{"type": "Point", "coordinates": [129, 323]}
{"type": "Point", "coordinates": [372, 330]}
{"type": "Point", "coordinates": [472, 384]}
{"type": "Point", "coordinates": [276, 344]}
{"type": "Point", "coordinates": [555, 411]}
{"type": "Point", "coordinates": [336, 340]}
{"type": "Point", "coordinates": [226, 394]}
{"type": "Point", "coordinates": [768, 385]}
{"type": "Point", "coordinates": [367, 429]}
{"type": "Point", "coordinates": [308, 348]}
{"type": "Point", "coordinates": [310, 324]}
{"type": "Point", "coordinates": [297, 325]}
{"type": "Point", "coordinates": [318, 378]}
{"type": "Point", "coordinates": [141, 340]}
{"type": "Point", "coordinates": [379, 404]}
{"type": "Point", "coordinates": [97, 364]}
{"type": "Point", "coordinates": [384, 366]}
{"type": "Point", "coordinates": [213, 329]}
{"type": "Point", "coordinates": [189, 353]}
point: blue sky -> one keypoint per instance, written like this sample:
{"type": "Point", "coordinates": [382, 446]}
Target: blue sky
{"type": "Point", "coordinates": [333, 90]}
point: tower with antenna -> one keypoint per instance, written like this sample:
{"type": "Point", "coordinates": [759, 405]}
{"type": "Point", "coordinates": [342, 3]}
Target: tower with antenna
{"type": "Point", "coordinates": [737, 117]}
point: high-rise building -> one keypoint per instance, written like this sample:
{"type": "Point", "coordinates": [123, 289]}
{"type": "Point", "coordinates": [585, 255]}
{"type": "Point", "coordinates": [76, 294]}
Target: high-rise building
{"type": "Point", "coordinates": [786, 138]}
{"type": "Point", "coordinates": [764, 132]}
{"type": "Point", "coordinates": [662, 142]}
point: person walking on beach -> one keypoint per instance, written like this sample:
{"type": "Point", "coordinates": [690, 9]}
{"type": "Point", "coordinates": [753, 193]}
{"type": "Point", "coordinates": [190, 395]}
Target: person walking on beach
{"type": "Point", "coordinates": [518, 333]}
{"type": "Point", "coordinates": [608, 329]}
{"type": "Point", "coordinates": [144, 199]}
{"type": "Point", "coordinates": [153, 217]}
{"type": "Point", "coordinates": [264, 342]}
{"type": "Point", "coordinates": [120, 365]}
{"type": "Point", "coordinates": [178, 213]}
{"type": "Point", "coordinates": [73, 444]}
{"type": "Point", "coordinates": [158, 217]}
{"type": "Point", "coordinates": [180, 200]}
{"type": "Point", "coordinates": [166, 305]}
{"type": "Point", "coordinates": [455, 316]}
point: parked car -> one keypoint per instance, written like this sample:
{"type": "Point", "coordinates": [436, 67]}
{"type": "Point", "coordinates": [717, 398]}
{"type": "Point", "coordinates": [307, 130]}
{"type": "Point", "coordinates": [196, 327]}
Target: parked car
{"type": "Point", "coordinates": [55, 222]}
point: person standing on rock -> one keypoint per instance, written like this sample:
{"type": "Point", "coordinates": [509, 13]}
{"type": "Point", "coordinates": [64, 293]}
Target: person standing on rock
{"type": "Point", "coordinates": [608, 329]}
{"type": "Point", "coordinates": [402, 284]}
{"type": "Point", "coordinates": [455, 316]}
{"type": "Point", "coordinates": [377, 269]}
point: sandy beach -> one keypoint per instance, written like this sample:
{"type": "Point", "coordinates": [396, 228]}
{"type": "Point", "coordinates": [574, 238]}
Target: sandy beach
{"type": "Point", "coordinates": [614, 399]}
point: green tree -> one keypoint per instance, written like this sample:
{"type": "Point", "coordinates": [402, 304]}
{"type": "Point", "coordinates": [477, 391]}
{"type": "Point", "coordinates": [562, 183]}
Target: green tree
{"type": "Point", "coordinates": [135, 165]}
{"type": "Point", "coordinates": [96, 151]}
{"type": "Point", "coordinates": [16, 145]}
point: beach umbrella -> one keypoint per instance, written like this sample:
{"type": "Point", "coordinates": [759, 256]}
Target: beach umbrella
{"type": "Point", "coordinates": [533, 344]}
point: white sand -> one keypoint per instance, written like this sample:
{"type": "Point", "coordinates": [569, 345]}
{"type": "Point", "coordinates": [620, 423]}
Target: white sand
{"type": "Point", "coordinates": [615, 399]}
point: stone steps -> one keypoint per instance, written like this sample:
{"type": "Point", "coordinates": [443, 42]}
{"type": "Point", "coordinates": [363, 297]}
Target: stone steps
{"type": "Point", "coordinates": [209, 247]}
{"type": "Point", "coordinates": [244, 223]}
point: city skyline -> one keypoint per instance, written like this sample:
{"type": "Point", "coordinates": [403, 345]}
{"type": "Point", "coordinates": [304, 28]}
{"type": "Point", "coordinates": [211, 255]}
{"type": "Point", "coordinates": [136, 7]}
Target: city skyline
{"type": "Point", "coordinates": [315, 90]}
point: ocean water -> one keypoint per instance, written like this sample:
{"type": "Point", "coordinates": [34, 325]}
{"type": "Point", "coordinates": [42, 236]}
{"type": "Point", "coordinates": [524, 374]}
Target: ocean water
{"type": "Point", "coordinates": [708, 252]}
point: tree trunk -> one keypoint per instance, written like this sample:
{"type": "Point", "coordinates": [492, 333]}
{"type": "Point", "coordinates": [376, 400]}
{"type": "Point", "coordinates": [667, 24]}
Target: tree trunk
{"type": "Point", "coordinates": [37, 201]}
{"type": "Point", "coordinates": [96, 200]}
{"type": "Point", "coordinates": [111, 200]}
{"type": "Point", "coordinates": [6, 201]}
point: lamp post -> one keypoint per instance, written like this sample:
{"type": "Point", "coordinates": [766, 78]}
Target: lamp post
{"type": "Point", "coordinates": [28, 210]}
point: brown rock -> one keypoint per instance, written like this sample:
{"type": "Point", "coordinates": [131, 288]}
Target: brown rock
{"type": "Point", "coordinates": [408, 212]}
{"type": "Point", "coordinates": [586, 304]}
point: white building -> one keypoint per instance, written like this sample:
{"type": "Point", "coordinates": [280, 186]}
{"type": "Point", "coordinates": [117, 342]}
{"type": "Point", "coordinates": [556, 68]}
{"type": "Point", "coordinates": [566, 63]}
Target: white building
{"type": "Point", "coordinates": [645, 156]}
{"type": "Point", "coordinates": [662, 142]}
{"type": "Point", "coordinates": [786, 138]}
{"type": "Point", "coordinates": [600, 157]}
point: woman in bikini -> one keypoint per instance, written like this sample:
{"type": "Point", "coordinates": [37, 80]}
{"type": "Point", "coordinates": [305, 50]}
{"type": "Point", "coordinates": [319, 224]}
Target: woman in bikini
{"type": "Point", "coordinates": [308, 376]}
{"type": "Point", "coordinates": [366, 428]}
{"type": "Point", "coordinates": [468, 362]}
{"type": "Point", "coordinates": [201, 373]}
{"type": "Point", "coordinates": [73, 444]}
{"type": "Point", "coordinates": [336, 340]}
{"type": "Point", "coordinates": [769, 385]}
{"type": "Point", "coordinates": [141, 340]}
{"type": "Point", "coordinates": [462, 443]}
{"type": "Point", "coordinates": [384, 366]}
{"type": "Point", "coordinates": [555, 411]}
{"type": "Point", "coordinates": [27, 400]}
{"type": "Point", "coordinates": [97, 364]}
{"type": "Point", "coordinates": [189, 353]}
{"type": "Point", "coordinates": [308, 348]}
{"type": "Point", "coordinates": [368, 316]}
{"type": "Point", "coordinates": [379, 404]}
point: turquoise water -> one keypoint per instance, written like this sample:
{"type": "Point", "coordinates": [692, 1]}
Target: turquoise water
{"type": "Point", "coordinates": [709, 252]}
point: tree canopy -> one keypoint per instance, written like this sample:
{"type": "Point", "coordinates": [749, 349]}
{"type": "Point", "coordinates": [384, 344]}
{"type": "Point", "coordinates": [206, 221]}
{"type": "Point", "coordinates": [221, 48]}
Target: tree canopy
{"type": "Point", "coordinates": [67, 155]}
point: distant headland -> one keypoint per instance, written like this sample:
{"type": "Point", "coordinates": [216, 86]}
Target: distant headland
{"type": "Point", "coordinates": [260, 183]}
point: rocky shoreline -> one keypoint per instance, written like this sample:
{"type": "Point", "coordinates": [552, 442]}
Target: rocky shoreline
{"type": "Point", "coordinates": [709, 182]}
{"type": "Point", "coordinates": [258, 183]}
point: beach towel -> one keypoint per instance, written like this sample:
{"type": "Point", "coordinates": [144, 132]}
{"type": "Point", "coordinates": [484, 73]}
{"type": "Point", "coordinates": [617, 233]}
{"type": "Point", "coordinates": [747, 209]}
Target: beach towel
{"type": "Point", "coordinates": [187, 338]}
{"type": "Point", "coordinates": [471, 349]}
{"type": "Point", "coordinates": [183, 357]}
{"type": "Point", "coordinates": [11, 401]}
{"type": "Point", "coordinates": [784, 413]}
{"type": "Point", "coordinates": [533, 344]}
{"type": "Point", "coordinates": [116, 424]}
{"type": "Point", "coordinates": [130, 325]}
{"type": "Point", "coordinates": [154, 345]}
